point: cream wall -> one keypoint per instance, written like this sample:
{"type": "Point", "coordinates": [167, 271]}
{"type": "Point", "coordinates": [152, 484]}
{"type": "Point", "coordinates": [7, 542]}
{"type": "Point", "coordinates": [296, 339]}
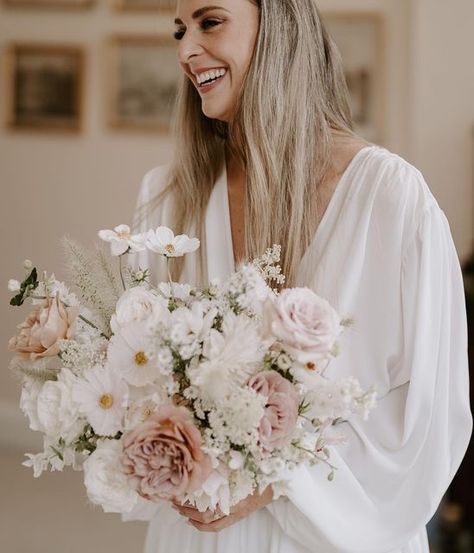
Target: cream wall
{"type": "Point", "coordinates": [53, 185]}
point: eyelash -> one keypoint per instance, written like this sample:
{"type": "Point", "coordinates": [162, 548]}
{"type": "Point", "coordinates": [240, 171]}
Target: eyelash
{"type": "Point", "coordinates": [205, 24]}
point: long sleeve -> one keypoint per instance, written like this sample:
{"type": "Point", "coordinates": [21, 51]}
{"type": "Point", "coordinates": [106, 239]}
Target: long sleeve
{"type": "Point", "coordinates": [396, 466]}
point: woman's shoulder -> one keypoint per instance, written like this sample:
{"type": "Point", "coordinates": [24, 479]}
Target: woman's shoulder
{"type": "Point", "coordinates": [395, 182]}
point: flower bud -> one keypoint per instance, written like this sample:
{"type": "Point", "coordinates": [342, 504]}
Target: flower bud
{"type": "Point", "coordinates": [14, 285]}
{"type": "Point", "coordinates": [27, 264]}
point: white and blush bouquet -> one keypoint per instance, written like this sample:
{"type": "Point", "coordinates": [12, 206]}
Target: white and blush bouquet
{"type": "Point", "coordinates": [200, 395]}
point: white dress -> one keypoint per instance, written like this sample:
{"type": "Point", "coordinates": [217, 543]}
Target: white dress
{"type": "Point", "coordinates": [382, 255]}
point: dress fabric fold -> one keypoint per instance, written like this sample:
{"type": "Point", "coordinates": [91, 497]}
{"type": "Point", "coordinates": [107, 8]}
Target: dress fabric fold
{"type": "Point", "coordinates": [382, 255]}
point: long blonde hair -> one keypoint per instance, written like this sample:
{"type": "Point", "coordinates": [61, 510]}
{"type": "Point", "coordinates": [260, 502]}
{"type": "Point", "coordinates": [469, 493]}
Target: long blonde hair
{"type": "Point", "coordinates": [292, 98]}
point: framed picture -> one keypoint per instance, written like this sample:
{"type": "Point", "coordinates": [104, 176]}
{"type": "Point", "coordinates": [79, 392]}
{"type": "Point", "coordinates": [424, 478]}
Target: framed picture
{"type": "Point", "coordinates": [146, 5]}
{"type": "Point", "coordinates": [143, 80]}
{"type": "Point", "coordinates": [45, 87]}
{"type": "Point", "coordinates": [360, 39]}
{"type": "Point", "coordinates": [73, 4]}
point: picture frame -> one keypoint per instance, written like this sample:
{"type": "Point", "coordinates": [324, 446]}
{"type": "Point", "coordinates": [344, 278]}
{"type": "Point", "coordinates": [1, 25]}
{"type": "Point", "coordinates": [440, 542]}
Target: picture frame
{"type": "Point", "coordinates": [46, 4]}
{"type": "Point", "coordinates": [44, 87]}
{"type": "Point", "coordinates": [360, 37]}
{"type": "Point", "coordinates": [137, 6]}
{"type": "Point", "coordinates": [143, 76]}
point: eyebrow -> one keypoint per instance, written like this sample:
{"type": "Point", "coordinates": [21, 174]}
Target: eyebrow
{"type": "Point", "coordinates": [199, 12]}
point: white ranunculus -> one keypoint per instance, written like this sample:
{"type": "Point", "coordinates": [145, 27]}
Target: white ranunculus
{"type": "Point", "coordinates": [29, 403]}
{"type": "Point", "coordinates": [138, 304]}
{"type": "Point", "coordinates": [305, 324]}
{"type": "Point", "coordinates": [163, 241]}
{"type": "Point", "coordinates": [106, 483]}
{"type": "Point", "coordinates": [121, 240]}
{"type": "Point", "coordinates": [57, 412]}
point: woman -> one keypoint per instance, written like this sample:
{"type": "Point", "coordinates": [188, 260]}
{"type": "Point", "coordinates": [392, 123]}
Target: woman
{"type": "Point", "coordinates": [266, 154]}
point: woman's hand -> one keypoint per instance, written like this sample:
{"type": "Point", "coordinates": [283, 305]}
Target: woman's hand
{"type": "Point", "coordinates": [214, 521]}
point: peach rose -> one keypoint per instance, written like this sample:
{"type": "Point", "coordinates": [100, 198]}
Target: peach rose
{"type": "Point", "coordinates": [281, 410]}
{"type": "Point", "coordinates": [164, 456]}
{"type": "Point", "coordinates": [44, 327]}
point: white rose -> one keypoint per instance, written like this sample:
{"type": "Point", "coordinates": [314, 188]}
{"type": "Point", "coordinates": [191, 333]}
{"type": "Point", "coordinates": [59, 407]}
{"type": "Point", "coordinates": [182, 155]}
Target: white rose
{"type": "Point", "coordinates": [57, 412]}
{"type": "Point", "coordinates": [137, 305]}
{"type": "Point", "coordinates": [106, 483]}
{"type": "Point", "coordinates": [29, 403]}
{"type": "Point", "coordinates": [305, 324]}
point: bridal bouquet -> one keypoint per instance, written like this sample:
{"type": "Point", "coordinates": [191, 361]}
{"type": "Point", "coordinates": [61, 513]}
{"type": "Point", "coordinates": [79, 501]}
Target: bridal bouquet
{"type": "Point", "coordinates": [176, 392]}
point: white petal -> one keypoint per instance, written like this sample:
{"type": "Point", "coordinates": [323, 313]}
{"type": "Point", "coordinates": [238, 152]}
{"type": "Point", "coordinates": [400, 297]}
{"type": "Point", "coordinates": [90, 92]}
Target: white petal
{"type": "Point", "coordinates": [122, 229]}
{"type": "Point", "coordinates": [164, 235]}
{"type": "Point", "coordinates": [118, 247]}
{"type": "Point", "coordinates": [107, 235]}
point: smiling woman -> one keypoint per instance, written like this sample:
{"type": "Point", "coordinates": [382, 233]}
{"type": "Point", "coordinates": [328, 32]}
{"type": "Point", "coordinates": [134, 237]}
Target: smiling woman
{"type": "Point", "coordinates": [265, 153]}
{"type": "Point", "coordinates": [208, 55]}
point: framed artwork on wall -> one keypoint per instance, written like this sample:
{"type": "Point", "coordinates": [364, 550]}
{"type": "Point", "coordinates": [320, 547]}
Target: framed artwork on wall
{"type": "Point", "coordinates": [146, 5]}
{"type": "Point", "coordinates": [360, 39]}
{"type": "Point", "coordinates": [73, 4]}
{"type": "Point", "coordinates": [44, 87]}
{"type": "Point", "coordinates": [142, 83]}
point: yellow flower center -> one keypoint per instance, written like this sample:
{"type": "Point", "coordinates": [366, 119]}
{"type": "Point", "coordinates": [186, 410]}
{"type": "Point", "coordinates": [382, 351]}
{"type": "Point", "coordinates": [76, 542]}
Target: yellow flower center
{"type": "Point", "coordinates": [169, 249]}
{"type": "Point", "coordinates": [311, 366]}
{"type": "Point", "coordinates": [141, 359]}
{"type": "Point", "coordinates": [106, 401]}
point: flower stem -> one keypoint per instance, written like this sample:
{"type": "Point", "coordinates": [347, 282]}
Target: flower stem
{"type": "Point", "coordinates": [170, 280]}
{"type": "Point", "coordinates": [90, 323]}
{"type": "Point", "coordinates": [121, 272]}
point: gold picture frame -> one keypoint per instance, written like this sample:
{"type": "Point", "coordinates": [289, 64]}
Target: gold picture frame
{"type": "Point", "coordinates": [360, 37]}
{"type": "Point", "coordinates": [137, 6]}
{"type": "Point", "coordinates": [44, 87]}
{"type": "Point", "coordinates": [143, 74]}
{"type": "Point", "coordinates": [47, 4]}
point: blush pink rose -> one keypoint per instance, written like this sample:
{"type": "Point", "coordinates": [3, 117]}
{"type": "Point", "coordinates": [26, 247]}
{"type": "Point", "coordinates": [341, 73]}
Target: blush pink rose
{"type": "Point", "coordinates": [44, 327]}
{"type": "Point", "coordinates": [164, 455]}
{"type": "Point", "coordinates": [281, 410]}
{"type": "Point", "coordinates": [305, 324]}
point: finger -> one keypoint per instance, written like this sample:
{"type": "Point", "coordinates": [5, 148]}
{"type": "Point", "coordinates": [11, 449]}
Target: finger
{"type": "Point", "coordinates": [215, 526]}
{"type": "Point", "coordinates": [195, 515]}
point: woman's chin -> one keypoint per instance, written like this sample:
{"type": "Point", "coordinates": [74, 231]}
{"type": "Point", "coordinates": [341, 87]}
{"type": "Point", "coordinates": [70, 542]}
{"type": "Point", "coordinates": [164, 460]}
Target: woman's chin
{"type": "Point", "coordinates": [213, 112]}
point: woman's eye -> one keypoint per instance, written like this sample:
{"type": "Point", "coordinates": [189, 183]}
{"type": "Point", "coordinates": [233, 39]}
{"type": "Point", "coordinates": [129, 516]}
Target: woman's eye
{"type": "Point", "coordinates": [178, 35]}
{"type": "Point", "coordinates": [208, 23]}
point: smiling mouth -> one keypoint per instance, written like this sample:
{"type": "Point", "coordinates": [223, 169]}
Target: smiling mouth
{"type": "Point", "coordinates": [207, 84]}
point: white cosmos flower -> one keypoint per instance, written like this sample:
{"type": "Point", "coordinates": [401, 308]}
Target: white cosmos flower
{"type": "Point", "coordinates": [121, 240]}
{"type": "Point", "coordinates": [163, 241]}
{"type": "Point", "coordinates": [131, 354]}
{"type": "Point", "coordinates": [102, 396]}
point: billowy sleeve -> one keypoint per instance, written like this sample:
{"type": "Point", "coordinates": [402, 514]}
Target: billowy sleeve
{"type": "Point", "coordinates": [396, 466]}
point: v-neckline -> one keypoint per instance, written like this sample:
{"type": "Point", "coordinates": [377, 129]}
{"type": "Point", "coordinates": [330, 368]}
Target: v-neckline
{"type": "Point", "coordinates": [220, 243]}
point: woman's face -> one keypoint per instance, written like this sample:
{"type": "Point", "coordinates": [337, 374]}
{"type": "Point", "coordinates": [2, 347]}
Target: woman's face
{"type": "Point", "coordinates": [216, 42]}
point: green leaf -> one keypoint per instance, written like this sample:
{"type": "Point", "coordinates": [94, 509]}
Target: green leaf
{"type": "Point", "coordinates": [30, 283]}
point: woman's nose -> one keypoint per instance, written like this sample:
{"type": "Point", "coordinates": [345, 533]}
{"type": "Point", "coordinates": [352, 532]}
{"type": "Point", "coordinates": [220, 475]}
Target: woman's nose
{"type": "Point", "coordinates": [188, 48]}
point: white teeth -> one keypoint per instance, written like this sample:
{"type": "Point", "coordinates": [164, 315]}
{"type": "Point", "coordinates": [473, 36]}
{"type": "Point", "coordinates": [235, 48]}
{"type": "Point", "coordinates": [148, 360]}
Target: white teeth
{"type": "Point", "coordinates": [203, 77]}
